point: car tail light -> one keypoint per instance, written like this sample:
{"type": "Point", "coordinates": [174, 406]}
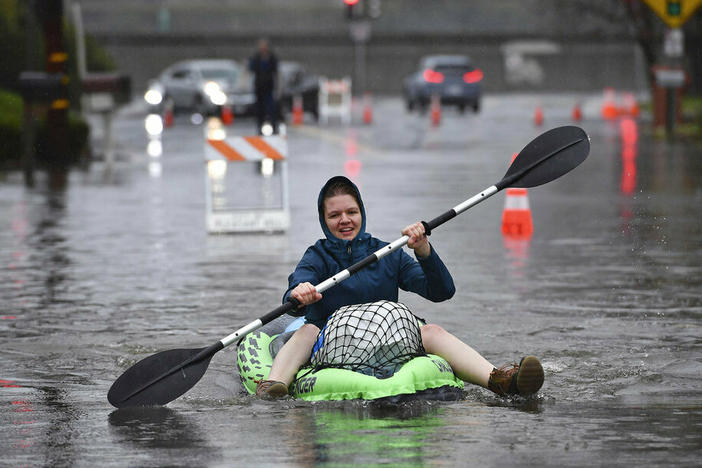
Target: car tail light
{"type": "Point", "coordinates": [473, 76]}
{"type": "Point", "coordinates": [433, 76]}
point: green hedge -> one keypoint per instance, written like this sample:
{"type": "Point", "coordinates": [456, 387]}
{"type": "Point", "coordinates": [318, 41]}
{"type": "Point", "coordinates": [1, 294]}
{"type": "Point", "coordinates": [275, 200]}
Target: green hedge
{"type": "Point", "coordinates": [11, 109]}
{"type": "Point", "coordinates": [11, 127]}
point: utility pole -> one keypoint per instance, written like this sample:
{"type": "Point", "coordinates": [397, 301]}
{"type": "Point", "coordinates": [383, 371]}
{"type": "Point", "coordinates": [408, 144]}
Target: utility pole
{"type": "Point", "coordinates": [359, 13]}
{"type": "Point", "coordinates": [50, 13]}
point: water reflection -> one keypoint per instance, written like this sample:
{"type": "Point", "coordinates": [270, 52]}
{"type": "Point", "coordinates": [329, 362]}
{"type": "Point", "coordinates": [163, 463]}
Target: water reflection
{"type": "Point", "coordinates": [156, 428]}
{"type": "Point", "coordinates": [18, 420]}
{"type": "Point", "coordinates": [629, 135]}
{"type": "Point", "coordinates": [61, 431]}
{"type": "Point", "coordinates": [517, 253]}
{"type": "Point", "coordinates": [47, 241]}
{"type": "Point", "coordinates": [43, 427]}
{"type": "Point", "coordinates": [669, 167]}
{"type": "Point", "coordinates": [365, 434]}
{"type": "Point", "coordinates": [155, 169]}
{"type": "Point", "coordinates": [352, 165]}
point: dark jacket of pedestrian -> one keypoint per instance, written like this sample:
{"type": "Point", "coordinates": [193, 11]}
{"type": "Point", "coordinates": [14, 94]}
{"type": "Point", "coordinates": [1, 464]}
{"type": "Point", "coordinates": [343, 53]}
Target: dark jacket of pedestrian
{"type": "Point", "coordinates": [265, 71]}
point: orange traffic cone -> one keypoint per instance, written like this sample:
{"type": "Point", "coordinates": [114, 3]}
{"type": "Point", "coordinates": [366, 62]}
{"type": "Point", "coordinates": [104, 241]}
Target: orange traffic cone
{"type": "Point", "coordinates": [630, 105]}
{"type": "Point", "coordinates": [609, 108]}
{"type": "Point", "coordinates": [297, 111]}
{"type": "Point", "coordinates": [538, 116]}
{"type": "Point", "coordinates": [227, 115]}
{"type": "Point", "coordinates": [577, 113]}
{"type": "Point", "coordinates": [435, 110]}
{"type": "Point", "coordinates": [168, 118]}
{"type": "Point", "coordinates": [516, 216]}
{"type": "Point", "coordinates": [367, 109]}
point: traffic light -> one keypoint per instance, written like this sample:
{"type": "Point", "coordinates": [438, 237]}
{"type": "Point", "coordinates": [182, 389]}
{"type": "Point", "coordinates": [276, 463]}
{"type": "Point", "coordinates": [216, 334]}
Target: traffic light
{"type": "Point", "coordinates": [350, 4]}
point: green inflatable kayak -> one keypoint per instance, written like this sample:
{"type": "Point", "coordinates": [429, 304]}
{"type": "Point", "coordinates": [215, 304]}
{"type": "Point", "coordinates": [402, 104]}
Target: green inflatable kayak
{"type": "Point", "coordinates": [427, 376]}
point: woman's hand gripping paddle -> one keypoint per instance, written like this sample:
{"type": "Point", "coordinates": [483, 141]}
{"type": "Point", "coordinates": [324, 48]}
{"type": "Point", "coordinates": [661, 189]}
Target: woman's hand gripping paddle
{"type": "Point", "coordinates": [163, 377]}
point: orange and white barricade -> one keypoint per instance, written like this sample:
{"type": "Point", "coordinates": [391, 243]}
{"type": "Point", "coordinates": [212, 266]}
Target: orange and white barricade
{"type": "Point", "coordinates": [246, 183]}
{"type": "Point", "coordinates": [335, 100]}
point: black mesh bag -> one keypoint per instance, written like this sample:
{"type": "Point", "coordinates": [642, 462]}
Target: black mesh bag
{"type": "Point", "coordinates": [373, 339]}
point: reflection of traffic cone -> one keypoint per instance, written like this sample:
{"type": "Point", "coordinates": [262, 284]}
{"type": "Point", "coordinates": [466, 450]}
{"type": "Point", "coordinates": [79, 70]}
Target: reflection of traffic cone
{"type": "Point", "coordinates": [297, 111]}
{"type": "Point", "coordinates": [227, 115]}
{"type": "Point", "coordinates": [367, 109]}
{"type": "Point", "coordinates": [435, 110]}
{"type": "Point", "coordinates": [577, 113]}
{"type": "Point", "coordinates": [351, 145]}
{"type": "Point", "coordinates": [518, 253]}
{"type": "Point", "coordinates": [630, 136]}
{"type": "Point", "coordinates": [516, 216]}
{"type": "Point", "coordinates": [629, 131]}
{"type": "Point", "coordinates": [168, 114]}
{"type": "Point", "coordinates": [352, 168]}
{"type": "Point", "coordinates": [538, 116]}
{"type": "Point", "coordinates": [609, 108]}
{"type": "Point", "coordinates": [628, 182]}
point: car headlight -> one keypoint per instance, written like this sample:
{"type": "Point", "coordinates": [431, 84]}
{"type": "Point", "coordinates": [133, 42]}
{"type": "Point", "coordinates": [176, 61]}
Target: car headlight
{"type": "Point", "coordinates": [211, 87]}
{"type": "Point", "coordinates": [215, 93]}
{"type": "Point", "coordinates": [218, 99]}
{"type": "Point", "coordinates": [153, 96]}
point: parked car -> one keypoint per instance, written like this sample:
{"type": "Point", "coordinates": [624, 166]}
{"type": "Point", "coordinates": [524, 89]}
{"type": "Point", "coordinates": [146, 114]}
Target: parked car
{"type": "Point", "coordinates": [203, 86]}
{"type": "Point", "coordinates": [294, 80]}
{"type": "Point", "coordinates": [453, 78]}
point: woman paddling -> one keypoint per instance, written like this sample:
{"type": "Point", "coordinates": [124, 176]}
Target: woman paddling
{"type": "Point", "coordinates": [343, 221]}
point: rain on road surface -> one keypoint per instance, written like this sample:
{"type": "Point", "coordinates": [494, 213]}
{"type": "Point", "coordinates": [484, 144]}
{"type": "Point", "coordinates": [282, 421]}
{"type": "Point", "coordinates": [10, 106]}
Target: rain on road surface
{"type": "Point", "coordinates": [117, 265]}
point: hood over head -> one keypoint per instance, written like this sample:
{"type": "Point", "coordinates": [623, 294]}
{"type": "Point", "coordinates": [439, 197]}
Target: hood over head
{"type": "Point", "coordinates": [320, 209]}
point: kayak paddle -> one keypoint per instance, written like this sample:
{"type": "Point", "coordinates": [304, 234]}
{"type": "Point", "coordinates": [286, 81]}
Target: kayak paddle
{"type": "Point", "coordinates": [164, 376]}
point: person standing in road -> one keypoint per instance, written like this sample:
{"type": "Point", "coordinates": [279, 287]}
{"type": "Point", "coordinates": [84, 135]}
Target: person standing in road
{"type": "Point", "coordinates": [264, 66]}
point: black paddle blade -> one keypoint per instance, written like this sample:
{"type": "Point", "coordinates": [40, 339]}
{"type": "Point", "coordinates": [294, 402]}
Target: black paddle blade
{"type": "Point", "coordinates": [548, 157]}
{"type": "Point", "coordinates": [161, 378]}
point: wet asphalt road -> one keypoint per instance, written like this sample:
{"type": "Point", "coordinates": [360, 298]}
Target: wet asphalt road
{"type": "Point", "coordinates": [115, 264]}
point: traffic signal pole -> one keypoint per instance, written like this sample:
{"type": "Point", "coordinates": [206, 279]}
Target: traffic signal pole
{"type": "Point", "coordinates": [51, 12]}
{"type": "Point", "coordinates": [360, 31]}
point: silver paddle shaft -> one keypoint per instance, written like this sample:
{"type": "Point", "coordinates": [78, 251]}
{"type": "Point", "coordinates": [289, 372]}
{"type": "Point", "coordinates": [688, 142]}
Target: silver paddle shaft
{"type": "Point", "coordinates": [372, 258]}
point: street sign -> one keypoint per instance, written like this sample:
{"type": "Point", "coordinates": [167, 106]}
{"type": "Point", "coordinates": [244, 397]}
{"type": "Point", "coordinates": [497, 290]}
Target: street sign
{"type": "Point", "coordinates": [673, 43]}
{"type": "Point", "coordinates": [674, 12]}
{"type": "Point", "coordinates": [670, 78]}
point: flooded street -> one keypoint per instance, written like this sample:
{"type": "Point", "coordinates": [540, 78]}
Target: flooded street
{"type": "Point", "coordinates": [111, 265]}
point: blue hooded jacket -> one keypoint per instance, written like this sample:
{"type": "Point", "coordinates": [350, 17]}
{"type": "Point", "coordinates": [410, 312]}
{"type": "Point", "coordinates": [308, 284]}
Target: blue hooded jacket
{"type": "Point", "coordinates": [427, 277]}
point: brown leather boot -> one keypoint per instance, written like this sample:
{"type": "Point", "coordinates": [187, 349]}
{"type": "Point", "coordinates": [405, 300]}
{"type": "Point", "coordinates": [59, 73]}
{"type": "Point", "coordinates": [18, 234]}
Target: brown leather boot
{"type": "Point", "coordinates": [271, 389]}
{"type": "Point", "coordinates": [523, 379]}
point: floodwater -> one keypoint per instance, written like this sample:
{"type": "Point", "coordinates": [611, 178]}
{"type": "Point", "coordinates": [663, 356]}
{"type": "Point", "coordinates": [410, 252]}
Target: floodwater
{"type": "Point", "coordinates": [110, 265]}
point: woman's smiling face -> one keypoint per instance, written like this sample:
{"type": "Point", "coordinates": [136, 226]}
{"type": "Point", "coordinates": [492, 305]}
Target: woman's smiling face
{"type": "Point", "coordinates": [343, 216]}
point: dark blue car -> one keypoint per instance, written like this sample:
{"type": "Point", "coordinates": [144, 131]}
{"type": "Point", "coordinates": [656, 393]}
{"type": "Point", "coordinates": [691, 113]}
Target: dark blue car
{"type": "Point", "coordinates": [453, 78]}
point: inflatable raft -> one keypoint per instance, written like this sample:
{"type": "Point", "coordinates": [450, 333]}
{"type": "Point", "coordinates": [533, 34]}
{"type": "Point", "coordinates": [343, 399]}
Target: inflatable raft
{"type": "Point", "coordinates": [427, 376]}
